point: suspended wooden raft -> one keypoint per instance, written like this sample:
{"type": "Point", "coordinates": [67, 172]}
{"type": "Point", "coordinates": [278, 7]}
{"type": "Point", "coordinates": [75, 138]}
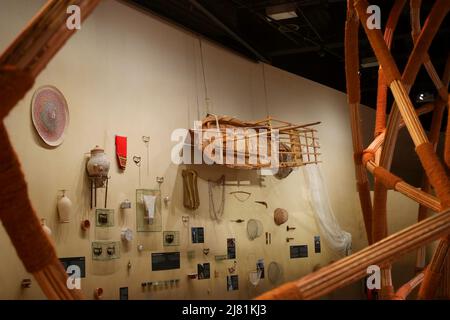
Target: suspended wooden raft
{"type": "Point", "coordinates": [250, 145]}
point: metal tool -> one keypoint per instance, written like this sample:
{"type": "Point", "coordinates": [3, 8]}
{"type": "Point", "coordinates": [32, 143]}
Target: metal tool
{"type": "Point", "coordinates": [146, 140]}
{"type": "Point", "coordinates": [262, 203]}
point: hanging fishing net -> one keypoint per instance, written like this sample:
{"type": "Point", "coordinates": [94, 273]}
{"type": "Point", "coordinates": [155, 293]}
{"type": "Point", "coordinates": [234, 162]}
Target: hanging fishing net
{"type": "Point", "coordinates": [337, 239]}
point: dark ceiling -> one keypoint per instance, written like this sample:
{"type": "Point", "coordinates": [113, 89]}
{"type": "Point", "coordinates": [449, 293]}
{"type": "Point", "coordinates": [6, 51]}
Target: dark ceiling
{"type": "Point", "coordinates": [310, 45]}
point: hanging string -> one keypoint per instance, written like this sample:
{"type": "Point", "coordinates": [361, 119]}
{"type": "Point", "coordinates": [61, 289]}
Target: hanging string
{"type": "Point", "coordinates": [204, 77]}
{"type": "Point", "coordinates": [265, 89]}
{"type": "Point", "coordinates": [216, 213]}
{"type": "Point", "coordinates": [196, 83]}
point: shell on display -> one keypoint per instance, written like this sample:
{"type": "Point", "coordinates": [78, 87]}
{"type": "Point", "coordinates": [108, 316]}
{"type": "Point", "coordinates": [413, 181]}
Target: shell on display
{"type": "Point", "coordinates": [280, 216]}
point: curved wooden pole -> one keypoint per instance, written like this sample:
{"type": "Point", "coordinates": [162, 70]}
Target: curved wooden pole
{"type": "Point", "coordinates": [353, 96]}
{"type": "Point", "coordinates": [404, 291]}
{"type": "Point", "coordinates": [433, 272]}
{"type": "Point", "coordinates": [429, 67]}
{"type": "Point", "coordinates": [391, 24]}
{"type": "Point", "coordinates": [354, 267]}
{"type": "Point", "coordinates": [397, 184]}
{"type": "Point", "coordinates": [379, 217]}
{"type": "Point", "coordinates": [435, 123]}
{"type": "Point", "coordinates": [433, 168]}
{"type": "Point", "coordinates": [429, 160]}
{"type": "Point", "coordinates": [22, 61]}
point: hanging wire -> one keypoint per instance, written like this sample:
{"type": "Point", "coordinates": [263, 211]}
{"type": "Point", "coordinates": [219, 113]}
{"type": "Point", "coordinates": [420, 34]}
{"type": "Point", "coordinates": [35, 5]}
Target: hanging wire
{"type": "Point", "coordinates": [204, 76]}
{"type": "Point", "coordinates": [265, 90]}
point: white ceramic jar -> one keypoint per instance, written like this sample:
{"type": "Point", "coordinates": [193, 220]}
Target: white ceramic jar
{"type": "Point", "coordinates": [64, 208]}
{"type": "Point", "coordinates": [98, 164]}
{"type": "Point", "coordinates": [127, 234]}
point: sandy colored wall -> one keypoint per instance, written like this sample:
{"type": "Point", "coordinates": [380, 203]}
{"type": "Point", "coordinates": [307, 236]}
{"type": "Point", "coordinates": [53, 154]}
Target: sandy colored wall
{"type": "Point", "coordinates": [132, 74]}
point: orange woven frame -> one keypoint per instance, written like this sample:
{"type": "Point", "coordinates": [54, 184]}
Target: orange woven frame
{"type": "Point", "coordinates": [16, 78]}
{"type": "Point", "coordinates": [20, 64]}
{"type": "Point", "coordinates": [377, 159]}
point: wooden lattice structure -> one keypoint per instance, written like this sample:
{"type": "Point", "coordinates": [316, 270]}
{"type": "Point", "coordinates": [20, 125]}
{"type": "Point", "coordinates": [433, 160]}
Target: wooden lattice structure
{"type": "Point", "coordinates": [377, 158]}
{"type": "Point", "coordinates": [46, 34]}
{"type": "Point", "coordinates": [250, 145]}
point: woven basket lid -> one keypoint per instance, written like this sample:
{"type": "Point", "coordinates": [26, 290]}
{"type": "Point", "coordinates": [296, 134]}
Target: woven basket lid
{"type": "Point", "coordinates": [50, 115]}
{"type": "Point", "coordinates": [280, 216]}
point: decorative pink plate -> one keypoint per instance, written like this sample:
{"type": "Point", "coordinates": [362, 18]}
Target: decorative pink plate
{"type": "Point", "coordinates": [50, 115]}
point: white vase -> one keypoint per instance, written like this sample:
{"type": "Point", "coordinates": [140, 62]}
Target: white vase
{"type": "Point", "coordinates": [127, 234]}
{"type": "Point", "coordinates": [46, 229]}
{"type": "Point", "coordinates": [64, 209]}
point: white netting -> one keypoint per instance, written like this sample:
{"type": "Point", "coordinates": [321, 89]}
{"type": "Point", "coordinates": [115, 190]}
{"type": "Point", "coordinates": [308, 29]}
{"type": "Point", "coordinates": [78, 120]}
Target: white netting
{"type": "Point", "coordinates": [338, 239]}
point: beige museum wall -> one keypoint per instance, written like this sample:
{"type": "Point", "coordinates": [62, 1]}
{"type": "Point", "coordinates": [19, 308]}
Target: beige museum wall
{"type": "Point", "coordinates": [132, 74]}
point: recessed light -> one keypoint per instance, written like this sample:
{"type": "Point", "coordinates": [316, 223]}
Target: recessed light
{"type": "Point", "coordinates": [282, 12]}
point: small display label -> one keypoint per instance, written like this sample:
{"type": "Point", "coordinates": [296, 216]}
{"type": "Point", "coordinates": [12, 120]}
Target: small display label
{"type": "Point", "coordinates": [299, 251]}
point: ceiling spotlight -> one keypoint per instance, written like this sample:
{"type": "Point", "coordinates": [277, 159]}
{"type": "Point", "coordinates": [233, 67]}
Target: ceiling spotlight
{"type": "Point", "coordinates": [282, 11]}
{"type": "Point", "coordinates": [424, 97]}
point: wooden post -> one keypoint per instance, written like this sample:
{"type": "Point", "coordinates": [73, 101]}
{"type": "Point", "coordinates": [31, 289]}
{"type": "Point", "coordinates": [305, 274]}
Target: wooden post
{"type": "Point", "coordinates": [22, 61]}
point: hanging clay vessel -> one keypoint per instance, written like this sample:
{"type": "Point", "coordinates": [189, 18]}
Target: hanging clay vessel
{"type": "Point", "coordinates": [85, 225]}
{"type": "Point", "coordinates": [46, 229]}
{"type": "Point", "coordinates": [64, 208]}
{"type": "Point", "coordinates": [98, 165]}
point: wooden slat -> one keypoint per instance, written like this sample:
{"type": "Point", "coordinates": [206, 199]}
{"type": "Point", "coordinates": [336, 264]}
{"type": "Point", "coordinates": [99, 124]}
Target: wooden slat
{"type": "Point", "coordinates": [354, 267]}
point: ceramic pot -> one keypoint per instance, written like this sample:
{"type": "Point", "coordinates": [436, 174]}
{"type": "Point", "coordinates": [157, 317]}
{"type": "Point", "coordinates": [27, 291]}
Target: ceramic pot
{"type": "Point", "coordinates": [64, 209]}
{"type": "Point", "coordinates": [98, 293]}
{"type": "Point", "coordinates": [85, 225]}
{"type": "Point", "coordinates": [98, 164]}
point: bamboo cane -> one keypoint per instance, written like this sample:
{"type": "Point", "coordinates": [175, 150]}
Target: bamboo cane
{"type": "Point", "coordinates": [379, 216]}
{"type": "Point", "coordinates": [426, 187]}
{"type": "Point", "coordinates": [354, 267]}
{"type": "Point", "coordinates": [411, 192]}
{"type": "Point", "coordinates": [379, 140]}
{"type": "Point", "coordinates": [434, 270]}
{"type": "Point", "coordinates": [29, 53]}
{"type": "Point", "coordinates": [391, 24]}
{"type": "Point", "coordinates": [404, 291]}
{"type": "Point", "coordinates": [429, 67]}
{"type": "Point", "coordinates": [426, 108]}
{"type": "Point", "coordinates": [436, 173]}
{"type": "Point", "coordinates": [353, 93]}
{"type": "Point", "coordinates": [431, 164]}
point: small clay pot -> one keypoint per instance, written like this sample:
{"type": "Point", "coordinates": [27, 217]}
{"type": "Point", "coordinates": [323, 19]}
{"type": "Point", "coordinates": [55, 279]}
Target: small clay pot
{"type": "Point", "coordinates": [85, 225]}
{"type": "Point", "coordinates": [98, 293]}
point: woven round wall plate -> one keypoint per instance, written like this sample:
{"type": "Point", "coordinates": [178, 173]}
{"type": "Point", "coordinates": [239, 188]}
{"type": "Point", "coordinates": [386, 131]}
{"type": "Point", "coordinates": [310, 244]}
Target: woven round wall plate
{"type": "Point", "coordinates": [50, 115]}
